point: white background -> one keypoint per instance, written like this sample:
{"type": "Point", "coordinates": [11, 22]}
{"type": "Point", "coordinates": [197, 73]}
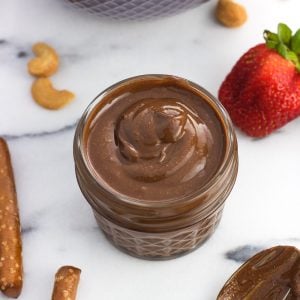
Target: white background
{"type": "Point", "coordinates": [59, 228]}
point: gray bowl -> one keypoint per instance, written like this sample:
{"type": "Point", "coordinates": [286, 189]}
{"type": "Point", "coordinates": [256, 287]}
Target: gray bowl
{"type": "Point", "coordinates": [135, 9]}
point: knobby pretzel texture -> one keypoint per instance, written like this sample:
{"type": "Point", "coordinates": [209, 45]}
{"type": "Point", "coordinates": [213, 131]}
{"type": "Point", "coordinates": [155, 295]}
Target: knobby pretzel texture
{"type": "Point", "coordinates": [66, 283]}
{"type": "Point", "coordinates": [11, 270]}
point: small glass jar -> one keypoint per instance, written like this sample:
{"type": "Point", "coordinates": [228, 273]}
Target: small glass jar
{"type": "Point", "coordinates": [157, 229]}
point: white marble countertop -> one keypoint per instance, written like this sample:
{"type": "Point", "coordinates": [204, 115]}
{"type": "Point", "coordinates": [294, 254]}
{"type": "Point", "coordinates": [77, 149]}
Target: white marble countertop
{"type": "Point", "coordinates": [58, 226]}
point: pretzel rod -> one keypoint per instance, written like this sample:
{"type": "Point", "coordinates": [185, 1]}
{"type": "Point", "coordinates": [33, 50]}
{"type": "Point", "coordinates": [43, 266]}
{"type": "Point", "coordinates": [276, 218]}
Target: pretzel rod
{"type": "Point", "coordinates": [66, 283]}
{"type": "Point", "coordinates": [11, 270]}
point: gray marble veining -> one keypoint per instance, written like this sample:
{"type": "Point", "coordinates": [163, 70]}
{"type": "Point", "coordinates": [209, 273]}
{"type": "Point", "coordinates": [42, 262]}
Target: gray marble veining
{"type": "Point", "coordinates": [58, 225]}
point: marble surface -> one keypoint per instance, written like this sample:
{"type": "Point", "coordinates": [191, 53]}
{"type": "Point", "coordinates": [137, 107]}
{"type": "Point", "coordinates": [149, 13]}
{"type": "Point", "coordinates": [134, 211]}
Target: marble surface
{"type": "Point", "coordinates": [57, 223]}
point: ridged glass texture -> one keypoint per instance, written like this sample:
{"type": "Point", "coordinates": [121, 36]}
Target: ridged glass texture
{"type": "Point", "coordinates": [129, 225]}
{"type": "Point", "coordinates": [135, 9]}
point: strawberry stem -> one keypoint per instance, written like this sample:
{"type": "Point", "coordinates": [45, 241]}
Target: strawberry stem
{"type": "Point", "coordinates": [285, 43]}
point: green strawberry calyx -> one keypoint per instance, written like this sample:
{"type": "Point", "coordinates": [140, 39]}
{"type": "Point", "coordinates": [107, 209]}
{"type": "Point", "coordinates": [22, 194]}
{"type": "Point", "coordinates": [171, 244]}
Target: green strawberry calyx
{"type": "Point", "coordinates": [285, 43]}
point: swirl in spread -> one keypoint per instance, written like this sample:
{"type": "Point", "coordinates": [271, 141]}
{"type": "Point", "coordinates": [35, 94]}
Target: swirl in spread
{"type": "Point", "coordinates": [155, 142]}
{"type": "Point", "coordinates": [159, 138]}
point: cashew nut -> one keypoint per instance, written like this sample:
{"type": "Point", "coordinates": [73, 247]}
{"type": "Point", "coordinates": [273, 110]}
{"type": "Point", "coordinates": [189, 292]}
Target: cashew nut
{"type": "Point", "coordinates": [47, 96]}
{"type": "Point", "coordinates": [231, 14]}
{"type": "Point", "coordinates": [46, 62]}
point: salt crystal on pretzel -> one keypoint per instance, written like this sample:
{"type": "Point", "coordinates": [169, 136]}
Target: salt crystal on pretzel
{"type": "Point", "coordinates": [11, 269]}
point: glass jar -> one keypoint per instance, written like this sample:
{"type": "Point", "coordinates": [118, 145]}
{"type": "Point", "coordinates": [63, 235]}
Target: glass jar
{"type": "Point", "coordinates": [135, 9]}
{"type": "Point", "coordinates": [157, 229]}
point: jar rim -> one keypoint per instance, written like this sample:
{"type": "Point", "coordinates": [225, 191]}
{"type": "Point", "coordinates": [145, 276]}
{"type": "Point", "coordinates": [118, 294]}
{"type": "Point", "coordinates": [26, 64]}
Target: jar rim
{"type": "Point", "coordinates": [223, 116]}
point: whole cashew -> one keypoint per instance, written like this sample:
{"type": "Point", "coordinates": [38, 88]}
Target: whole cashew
{"type": "Point", "coordinates": [47, 96]}
{"type": "Point", "coordinates": [231, 14]}
{"type": "Point", "coordinates": [46, 62]}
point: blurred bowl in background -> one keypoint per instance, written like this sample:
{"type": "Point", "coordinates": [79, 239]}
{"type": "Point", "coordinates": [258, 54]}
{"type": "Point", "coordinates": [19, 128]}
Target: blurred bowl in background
{"type": "Point", "coordinates": [135, 9]}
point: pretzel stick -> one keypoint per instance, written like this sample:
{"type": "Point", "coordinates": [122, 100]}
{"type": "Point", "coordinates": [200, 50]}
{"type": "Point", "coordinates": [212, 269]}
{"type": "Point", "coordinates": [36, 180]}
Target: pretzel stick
{"type": "Point", "coordinates": [66, 283]}
{"type": "Point", "coordinates": [11, 270]}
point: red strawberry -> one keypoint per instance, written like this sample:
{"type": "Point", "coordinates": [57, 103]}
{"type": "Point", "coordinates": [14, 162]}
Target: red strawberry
{"type": "Point", "coordinates": [262, 92]}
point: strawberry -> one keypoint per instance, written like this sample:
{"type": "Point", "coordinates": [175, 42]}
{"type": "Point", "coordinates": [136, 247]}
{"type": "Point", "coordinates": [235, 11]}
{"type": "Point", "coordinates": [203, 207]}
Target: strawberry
{"type": "Point", "coordinates": [262, 91]}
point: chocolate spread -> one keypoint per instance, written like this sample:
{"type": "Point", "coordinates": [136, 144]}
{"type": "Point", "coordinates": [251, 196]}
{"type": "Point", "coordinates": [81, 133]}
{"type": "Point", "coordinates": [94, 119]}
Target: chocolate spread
{"type": "Point", "coordinates": [155, 141]}
{"type": "Point", "coordinates": [273, 274]}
